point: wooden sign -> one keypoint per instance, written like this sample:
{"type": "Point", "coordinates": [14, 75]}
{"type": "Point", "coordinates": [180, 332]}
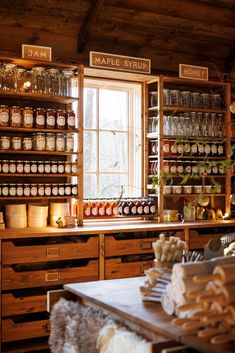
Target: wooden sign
{"type": "Point", "coordinates": [120, 62]}
{"type": "Point", "coordinates": [193, 72]}
{"type": "Point", "coordinates": [35, 52]}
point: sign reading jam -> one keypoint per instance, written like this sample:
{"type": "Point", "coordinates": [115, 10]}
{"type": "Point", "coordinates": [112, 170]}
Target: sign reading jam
{"type": "Point", "coordinates": [35, 52]}
{"type": "Point", "coordinates": [120, 63]}
{"type": "Point", "coordinates": [193, 72]}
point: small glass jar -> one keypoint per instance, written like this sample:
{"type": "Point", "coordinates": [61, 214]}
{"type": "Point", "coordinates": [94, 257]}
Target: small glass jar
{"type": "Point", "coordinates": [26, 167]}
{"type": "Point", "coordinates": [5, 190]}
{"type": "Point", "coordinates": [166, 96]}
{"type": "Point", "coordinates": [50, 142]}
{"type": "Point", "coordinates": [47, 190]}
{"type": "Point", "coordinates": [196, 100]}
{"type": "Point", "coordinates": [19, 190]}
{"type": "Point", "coordinates": [41, 190]}
{"type": "Point", "coordinates": [60, 119]}
{"type": "Point", "coordinates": [15, 116]}
{"type": "Point", "coordinates": [12, 190]}
{"type": "Point", "coordinates": [47, 167]}
{"type": "Point", "coordinates": [39, 79]}
{"type": "Point", "coordinates": [74, 190]}
{"type": "Point", "coordinates": [33, 190]}
{"type": "Point", "coordinates": [206, 100]}
{"type": "Point", "coordinates": [4, 115]}
{"type": "Point", "coordinates": [60, 142]}
{"type": "Point", "coordinates": [20, 167]}
{"type": "Point", "coordinates": [50, 119]}
{"type": "Point", "coordinates": [21, 78]}
{"type": "Point", "coordinates": [54, 167]}
{"type": "Point", "coordinates": [33, 167]}
{"type": "Point", "coordinates": [5, 166]}
{"type": "Point", "coordinates": [26, 189]}
{"type": "Point", "coordinates": [61, 190]}
{"type": "Point", "coordinates": [53, 81]}
{"type": "Point", "coordinates": [40, 118]}
{"type": "Point", "coordinates": [71, 120]}
{"type": "Point", "coordinates": [175, 97]}
{"type": "Point", "coordinates": [67, 82]}
{"type": "Point", "coordinates": [67, 168]}
{"type": "Point", "coordinates": [216, 101]}
{"type": "Point", "coordinates": [40, 141]}
{"type": "Point", "coordinates": [5, 142]}
{"type": "Point", "coordinates": [61, 167]}
{"type": "Point", "coordinates": [74, 168]}
{"type": "Point", "coordinates": [9, 77]}
{"type": "Point", "coordinates": [41, 167]}
{"type": "Point", "coordinates": [68, 190]}
{"type": "Point", "coordinates": [27, 143]}
{"type": "Point", "coordinates": [16, 143]}
{"type": "Point", "coordinates": [12, 167]}
{"type": "Point", "coordinates": [54, 190]}
{"type": "Point", "coordinates": [69, 147]}
{"type": "Point", "coordinates": [27, 117]}
{"type": "Point", "coordinates": [185, 98]}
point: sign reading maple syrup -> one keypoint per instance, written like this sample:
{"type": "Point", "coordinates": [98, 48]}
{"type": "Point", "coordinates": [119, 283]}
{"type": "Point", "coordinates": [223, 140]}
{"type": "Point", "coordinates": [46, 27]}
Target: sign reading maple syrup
{"type": "Point", "coordinates": [193, 72]}
{"type": "Point", "coordinates": [120, 62]}
{"type": "Point", "coordinates": [35, 52]}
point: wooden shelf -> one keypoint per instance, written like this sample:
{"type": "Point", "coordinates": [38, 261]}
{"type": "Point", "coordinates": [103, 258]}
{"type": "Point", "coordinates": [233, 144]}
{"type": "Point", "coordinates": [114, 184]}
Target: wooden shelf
{"type": "Point", "coordinates": [205, 158]}
{"type": "Point", "coordinates": [37, 97]}
{"type": "Point", "coordinates": [22, 129]}
{"type": "Point", "coordinates": [178, 108]}
{"type": "Point", "coordinates": [55, 175]}
{"type": "Point", "coordinates": [195, 138]}
{"type": "Point", "coordinates": [192, 176]}
{"type": "Point", "coordinates": [37, 152]}
{"type": "Point", "coordinates": [193, 195]}
{"type": "Point", "coordinates": [36, 197]}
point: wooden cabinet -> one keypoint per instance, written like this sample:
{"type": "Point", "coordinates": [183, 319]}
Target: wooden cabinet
{"type": "Point", "coordinates": [188, 133]}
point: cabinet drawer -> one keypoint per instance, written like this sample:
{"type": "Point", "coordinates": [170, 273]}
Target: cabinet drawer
{"type": "Point", "coordinates": [12, 254]}
{"type": "Point", "coordinates": [115, 268]}
{"type": "Point", "coordinates": [56, 276]}
{"type": "Point", "coordinates": [12, 331]}
{"type": "Point", "coordinates": [114, 247]}
{"type": "Point", "coordinates": [197, 241]}
{"type": "Point", "coordinates": [12, 305]}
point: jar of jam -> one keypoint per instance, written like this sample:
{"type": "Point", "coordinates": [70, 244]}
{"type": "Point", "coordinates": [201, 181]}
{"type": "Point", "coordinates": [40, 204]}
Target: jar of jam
{"type": "Point", "coordinates": [68, 189]}
{"type": "Point", "coordinates": [61, 190]}
{"type": "Point", "coordinates": [27, 143]}
{"type": "Point", "coordinates": [74, 168]}
{"type": "Point", "coordinates": [4, 115]}
{"type": "Point", "coordinates": [40, 118]}
{"type": "Point", "coordinates": [41, 190]}
{"type": "Point", "coordinates": [27, 117]}
{"type": "Point", "coordinates": [5, 190]}
{"type": "Point", "coordinates": [47, 190]}
{"type": "Point", "coordinates": [5, 166]}
{"type": "Point", "coordinates": [12, 190]}
{"type": "Point", "coordinates": [33, 167]}
{"type": "Point", "coordinates": [50, 119]}
{"type": "Point", "coordinates": [71, 120]}
{"type": "Point", "coordinates": [61, 167]}
{"type": "Point", "coordinates": [67, 167]}
{"type": "Point", "coordinates": [16, 143]}
{"type": "Point", "coordinates": [60, 119]}
{"type": "Point", "coordinates": [26, 189]}
{"type": "Point", "coordinates": [74, 190]}
{"type": "Point", "coordinates": [5, 142]}
{"type": "Point", "coordinates": [15, 116]}
{"type": "Point", "coordinates": [20, 167]}
{"type": "Point", "coordinates": [26, 167]}
{"type": "Point", "coordinates": [12, 167]}
{"type": "Point", "coordinates": [50, 142]}
{"type": "Point", "coordinates": [60, 143]}
{"type": "Point", "coordinates": [19, 190]}
{"type": "Point", "coordinates": [69, 143]}
{"type": "Point", "coordinates": [47, 167]}
{"type": "Point", "coordinates": [33, 190]}
{"type": "Point", "coordinates": [41, 167]}
{"type": "Point", "coordinates": [40, 141]}
{"type": "Point", "coordinates": [54, 190]}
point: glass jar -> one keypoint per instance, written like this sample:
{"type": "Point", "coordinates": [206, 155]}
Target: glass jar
{"type": "Point", "coordinates": [67, 77]}
{"type": "Point", "coordinates": [54, 167]}
{"type": "Point", "coordinates": [74, 168]}
{"type": "Point", "coordinates": [26, 167]}
{"type": "Point", "coordinates": [69, 147]}
{"type": "Point", "coordinates": [206, 100]}
{"type": "Point", "coordinates": [5, 166]}
{"type": "Point", "coordinates": [70, 117]}
{"type": "Point", "coordinates": [47, 167]}
{"type": "Point", "coordinates": [174, 97]}
{"type": "Point", "coordinates": [60, 119]}
{"type": "Point", "coordinates": [5, 142]}
{"type": "Point", "coordinates": [216, 101]}
{"type": "Point", "coordinates": [20, 79]}
{"type": "Point", "coordinates": [196, 100]}
{"type": "Point", "coordinates": [16, 143]}
{"type": "Point", "coordinates": [12, 190]}
{"type": "Point", "coordinates": [15, 116]}
{"type": "Point", "coordinates": [166, 96]}
{"type": "Point", "coordinates": [60, 142]}
{"type": "Point", "coordinates": [39, 80]}
{"type": "Point", "coordinates": [9, 77]}
{"type": "Point", "coordinates": [40, 141]}
{"type": "Point", "coordinates": [27, 143]}
{"type": "Point", "coordinates": [41, 167]}
{"type": "Point", "coordinates": [4, 115]}
{"type": "Point", "coordinates": [5, 190]}
{"type": "Point", "coordinates": [27, 117]}
{"type": "Point", "coordinates": [61, 189]}
{"type": "Point", "coordinates": [61, 167]}
{"type": "Point", "coordinates": [41, 191]}
{"type": "Point", "coordinates": [67, 168]}
{"type": "Point", "coordinates": [33, 189]}
{"type": "Point", "coordinates": [53, 81]}
{"type": "Point", "coordinates": [68, 190]}
{"type": "Point", "coordinates": [40, 118]}
{"type": "Point", "coordinates": [20, 167]}
{"type": "Point", "coordinates": [50, 142]}
{"type": "Point", "coordinates": [50, 119]}
{"type": "Point", "coordinates": [12, 167]}
{"type": "Point", "coordinates": [54, 189]}
{"type": "Point", "coordinates": [26, 190]}
{"type": "Point", "coordinates": [47, 190]}
{"type": "Point", "coordinates": [19, 190]}
{"type": "Point", "coordinates": [33, 167]}
{"type": "Point", "coordinates": [185, 98]}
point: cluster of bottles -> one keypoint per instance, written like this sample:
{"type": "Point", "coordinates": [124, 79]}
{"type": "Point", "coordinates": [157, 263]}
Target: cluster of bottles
{"type": "Point", "coordinates": [114, 208]}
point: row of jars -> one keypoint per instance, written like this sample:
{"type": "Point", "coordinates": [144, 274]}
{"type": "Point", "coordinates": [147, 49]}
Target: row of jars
{"type": "Point", "coordinates": [192, 189]}
{"type": "Point", "coordinates": [174, 97]}
{"type": "Point", "coordinates": [40, 118]}
{"type": "Point", "coordinates": [39, 142]}
{"type": "Point", "coordinates": [172, 167]}
{"type": "Point", "coordinates": [38, 80]}
{"type": "Point", "coordinates": [38, 190]}
{"type": "Point", "coordinates": [37, 167]}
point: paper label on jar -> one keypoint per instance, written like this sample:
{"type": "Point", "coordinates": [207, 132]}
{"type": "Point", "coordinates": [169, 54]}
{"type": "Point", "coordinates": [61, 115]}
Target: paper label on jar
{"type": "Point", "coordinates": [40, 143]}
{"type": "Point", "coordinates": [69, 145]}
{"type": "Point", "coordinates": [26, 191]}
{"type": "Point", "coordinates": [74, 168]}
{"type": "Point", "coordinates": [188, 169]}
{"type": "Point", "coordinates": [5, 168]}
{"type": "Point", "coordinates": [214, 149]}
{"type": "Point", "coordinates": [94, 211]}
{"type": "Point", "coordinates": [68, 168]}
{"type": "Point", "coordinates": [12, 191]}
{"type": "Point", "coordinates": [126, 210]}
{"type": "Point", "coordinates": [55, 191]}
{"type": "Point", "coordinates": [180, 149]}
{"type": "Point", "coordinates": [109, 211]}
{"type": "Point", "coordinates": [40, 168]}
{"type": "Point", "coordinates": [173, 149]}
{"type": "Point", "coordinates": [153, 209]}
{"type": "Point", "coordinates": [74, 190]}
{"type": "Point", "coordinates": [187, 148]}
{"type": "Point", "coordinates": [54, 169]}
{"type": "Point", "coordinates": [215, 170]}
{"type": "Point", "coordinates": [220, 149]}
{"type": "Point", "coordinates": [16, 144]}
{"type": "Point", "coordinates": [47, 191]}
{"type": "Point", "coordinates": [34, 168]}
{"type": "Point", "coordinates": [51, 120]}
{"type": "Point", "coordinates": [33, 190]}
{"type": "Point", "coordinates": [71, 121]}
{"type": "Point", "coordinates": [20, 168]}
{"type": "Point", "coordinates": [61, 120]}
{"type": "Point", "coordinates": [115, 210]}
{"type": "Point", "coordinates": [15, 118]}
{"type": "Point", "coordinates": [207, 149]}
{"type": "Point", "coordinates": [19, 191]}
{"type": "Point", "coordinates": [47, 168]}
{"type": "Point", "coordinates": [50, 145]}
{"type": "Point", "coordinates": [27, 168]}
{"type": "Point", "coordinates": [173, 169]}
{"type": "Point", "coordinates": [28, 119]}
{"type": "Point", "coordinates": [140, 210]}
{"type": "Point", "coordinates": [101, 211]}
{"type": "Point", "coordinates": [5, 144]}
{"type": "Point", "coordinates": [165, 169]}
{"type": "Point", "coordinates": [40, 119]}
{"type": "Point", "coordinates": [60, 144]}
{"type": "Point", "coordinates": [208, 170]}
{"type": "Point", "coordinates": [41, 191]}
{"type": "Point", "coordinates": [195, 169]}
{"type": "Point", "coordinates": [68, 190]}
{"type": "Point", "coordinates": [194, 149]}
{"type": "Point", "coordinates": [87, 212]}
{"type": "Point", "coordinates": [12, 168]}
{"type": "Point", "coordinates": [4, 117]}
{"type": "Point", "coordinates": [166, 148]}
{"type": "Point", "coordinates": [201, 149]}
{"type": "Point", "coordinates": [133, 209]}
{"type": "Point", "coordinates": [146, 209]}
{"type": "Point", "coordinates": [180, 169]}
{"type": "Point", "coordinates": [61, 191]}
{"type": "Point", "coordinates": [61, 168]}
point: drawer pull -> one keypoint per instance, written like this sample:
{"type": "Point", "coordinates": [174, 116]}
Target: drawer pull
{"type": "Point", "coordinates": [146, 245]}
{"type": "Point", "coordinates": [144, 267]}
{"type": "Point", "coordinates": [52, 277]}
{"type": "Point", "coordinates": [53, 252]}
{"type": "Point", "coordinates": [47, 327]}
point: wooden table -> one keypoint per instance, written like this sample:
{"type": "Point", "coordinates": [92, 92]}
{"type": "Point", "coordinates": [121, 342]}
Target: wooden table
{"type": "Point", "coordinates": [121, 298]}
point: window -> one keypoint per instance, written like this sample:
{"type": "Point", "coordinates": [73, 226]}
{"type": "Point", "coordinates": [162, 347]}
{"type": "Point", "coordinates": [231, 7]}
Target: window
{"type": "Point", "coordinates": [112, 139]}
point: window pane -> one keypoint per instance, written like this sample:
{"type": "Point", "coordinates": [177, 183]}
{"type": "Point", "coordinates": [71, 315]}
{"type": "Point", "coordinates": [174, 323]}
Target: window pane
{"type": "Point", "coordinates": [113, 152]}
{"type": "Point", "coordinates": [113, 109]}
{"type": "Point", "coordinates": [90, 154]}
{"type": "Point", "coordinates": [90, 186]}
{"type": "Point", "coordinates": [90, 117]}
{"type": "Point", "coordinates": [112, 185]}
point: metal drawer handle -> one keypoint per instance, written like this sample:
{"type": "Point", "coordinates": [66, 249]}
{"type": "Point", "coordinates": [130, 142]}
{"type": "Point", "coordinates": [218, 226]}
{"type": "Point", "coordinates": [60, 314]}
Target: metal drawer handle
{"type": "Point", "coordinates": [53, 252]}
{"type": "Point", "coordinates": [52, 277]}
{"type": "Point", "coordinates": [146, 245]}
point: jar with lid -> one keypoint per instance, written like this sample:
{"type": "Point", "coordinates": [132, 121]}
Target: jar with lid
{"type": "Point", "coordinates": [41, 167]}
{"type": "Point", "coordinates": [5, 190]}
{"type": "Point", "coordinates": [206, 100]}
{"type": "Point", "coordinates": [12, 190]}
{"type": "Point", "coordinates": [74, 190]}
{"type": "Point", "coordinates": [69, 143]}
{"type": "Point", "coordinates": [20, 79]}
{"type": "Point", "coordinates": [47, 167]}
{"type": "Point", "coordinates": [70, 117]}
{"type": "Point", "coordinates": [40, 141]}
{"type": "Point", "coordinates": [5, 142]}
{"type": "Point", "coordinates": [61, 190]}
{"type": "Point", "coordinates": [5, 166]}
{"type": "Point", "coordinates": [61, 119]}
{"type": "Point", "coordinates": [50, 119]}
{"type": "Point", "coordinates": [15, 116]}
{"type": "Point", "coordinates": [33, 189]}
{"type": "Point", "coordinates": [196, 100]}
{"type": "Point", "coordinates": [9, 77]}
{"type": "Point", "coordinates": [74, 168]}
{"type": "Point", "coordinates": [27, 143]}
{"type": "Point", "coordinates": [220, 150]}
{"type": "Point", "coordinates": [67, 167]}
{"type": "Point", "coordinates": [19, 190]}
{"type": "Point", "coordinates": [174, 97]}
{"type": "Point", "coordinates": [53, 81]}
{"type": "Point", "coordinates": [26, 167]}
{"type": "Point", "coordinates": [54, 167]}
{"type": "Point", "coordinates": [47, 190]}
{"type": "Point", "coordinates": [12, 167]}
{"type": "Point", "coordinates": [40, 118]}
{"type": "Point", "coordinates": [68, 189]}
{"type": "Point", "coordinates": [33, 167]}
{"type": "Point", "coordinates": [4, 115]}
{"type": "Point", "coordinates": [185, 98]}
{"type": "Point", "coordinates": [26, 190]}
{"type": "Point", "coordinates": [16, 143]}
{"type": "Point", "coordinates": [216, 101]}
{"type": "Point", "coordinates": [60, 142]}
{"type": "Point", "coordinates": [39, 79]}
{"type": "Point", "coordinates": [19, 167]}
{"type": "Point", "coordinates": [41, 191]}
{"type": "Point", "coordinates": [50, 142]}
{"type": "Point", "coordinates": [166, 96]}
{"type": "Point", "coordinates": [54, 189]}
{"type": "Point", "coordinates": [61, 167]}
{"type": "Point", "coordinates": [27, 117]}
{"type": "Point", "coordinates": [67, 77]}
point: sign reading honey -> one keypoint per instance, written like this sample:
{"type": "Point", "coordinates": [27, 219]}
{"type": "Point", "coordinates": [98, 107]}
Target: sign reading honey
{"type": "Point", "coordinates": [120, 62]}
{"type": "Point", "coordinates": [193, 72]}
{"type": "Point", "coordinates": [35, 52]}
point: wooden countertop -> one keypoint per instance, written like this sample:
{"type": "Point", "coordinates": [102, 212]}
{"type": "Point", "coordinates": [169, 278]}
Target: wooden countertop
{"type": "Point", "coordinates": [110, 227]}
{"type": "Point", "coordinates": [122, 298]}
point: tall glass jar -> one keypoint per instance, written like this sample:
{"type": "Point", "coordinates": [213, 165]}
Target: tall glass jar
{"type": "Point", "coordinates": [9, 77]}
{"type": "Point", "coordinates": [53, 81]}
{"type": "Point", "coordinates": [39, 80]}
{"type": "Point", "coordinates": [67, 83]}
{"type": "Point", "coordinates": [21, 79]}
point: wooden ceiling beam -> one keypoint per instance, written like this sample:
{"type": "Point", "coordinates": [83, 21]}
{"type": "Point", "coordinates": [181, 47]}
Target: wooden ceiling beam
{"type": "Point", "coordinates": [88, 22]}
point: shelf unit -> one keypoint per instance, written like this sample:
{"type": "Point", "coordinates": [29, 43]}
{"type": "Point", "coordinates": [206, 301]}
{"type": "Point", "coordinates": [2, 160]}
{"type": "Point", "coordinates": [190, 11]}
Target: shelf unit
{"type": "Point", "coordinates": [46, 101]}
{"type": "Point", "coordinates": [154, 132]}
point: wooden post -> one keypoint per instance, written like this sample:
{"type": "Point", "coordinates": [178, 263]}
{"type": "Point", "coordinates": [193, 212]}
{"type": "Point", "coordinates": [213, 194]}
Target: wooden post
{"type": "Point", "coordinates": [101, 256]}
